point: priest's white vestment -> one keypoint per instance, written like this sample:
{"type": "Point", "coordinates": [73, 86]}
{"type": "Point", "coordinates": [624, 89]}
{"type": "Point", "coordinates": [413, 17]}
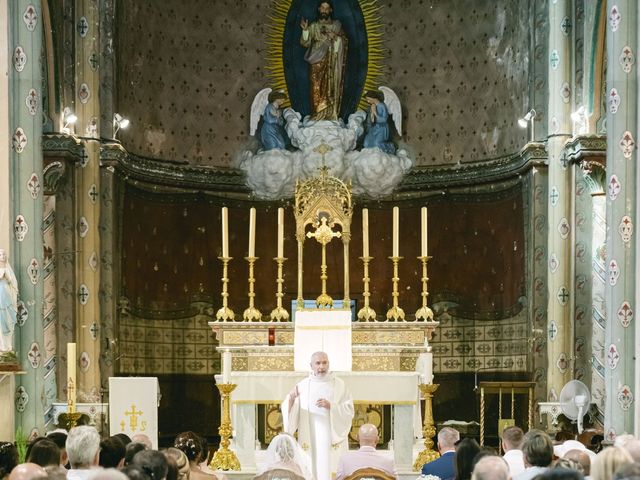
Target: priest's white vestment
{"type": "Point", "coordinates": [322, 433]}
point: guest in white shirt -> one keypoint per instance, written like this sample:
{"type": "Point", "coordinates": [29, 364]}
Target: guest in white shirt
{"type": "Point", "coordinates": [512, 445]}
{"type": "Point", "coordinates": [537, 448]}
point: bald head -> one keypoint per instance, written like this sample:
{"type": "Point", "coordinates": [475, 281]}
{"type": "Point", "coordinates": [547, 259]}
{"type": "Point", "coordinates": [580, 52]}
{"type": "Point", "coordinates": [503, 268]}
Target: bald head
{"type": "Point", "coordinates": [491, 467]}
{"type": "Point", "coordinates": [368, 435]}
{"type": "Point", "coordinates": [320, 364]}
{"type": "Point", "coordinates": [27, 471]}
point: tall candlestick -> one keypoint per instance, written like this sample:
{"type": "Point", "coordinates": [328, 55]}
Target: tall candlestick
{"type": "Point", "coordinates": [225, 232]}
{"type": "Point", "coordinates": [226, 367]}
{"type": "Point", "coordinates": [252, 232]}
{"type": "Point", "coordinates": [280, 232]}
{"type": "Point", "coordinates": [396, 232]}
{"type": "Point", "coordinates": [365, 232]}
{"type": "Point", "coordinates": [424, 231]}
{"type": "Point", "coordinates": [71, 377]}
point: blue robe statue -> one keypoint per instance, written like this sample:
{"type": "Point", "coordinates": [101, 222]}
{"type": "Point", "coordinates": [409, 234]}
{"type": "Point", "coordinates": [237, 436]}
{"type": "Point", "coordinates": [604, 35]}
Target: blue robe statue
{"type": "Point", "coordinates": [378, 131]}
{"type": "Point", "coordinates": [272, 134]}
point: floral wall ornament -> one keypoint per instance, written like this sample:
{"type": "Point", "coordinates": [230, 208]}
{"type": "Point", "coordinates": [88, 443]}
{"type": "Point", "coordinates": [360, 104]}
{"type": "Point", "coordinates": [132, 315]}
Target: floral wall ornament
{"type": "Point", "coordinates": [83, 27]}
{"type": "Point", "coordinates": [614, 101]}
{"type": "Point", "coordinates": [554, 59]}
{"type": "Point", "coordinates": [33, 185]}
{"type": "Point", "coordinates": [614, 272]}
{"type": "Point", "coordinates": [625, 397]}
{"type": "Point", "coordinates": [20, 228]}
{"type": "Point", "coordinates": [31, 101]}
{"type": "Point", "coordinates": [83, 294]}
{"type": "Point", "coordinates": [562, 363]}
{"type": "Point", "coordinates": [614, 187]}
{"type": "Point", "coordinates": [22, 399]}
{"type": "Point", "coordinates": [19, 59]}
{"type": "Point", "coordinates": [84, 93]}
{"type": "Point", "coordinates": [554, 195]}
{"type": "Point", "coordinates": [553, 263]}
{"type": "Point", "coordinates": [564, 228]}
{"type": "Point", "coordinates": [34, 355]}
{"type": "Point", "coordinates": [22, 314]}
{"type": "Point", "coordinates": [613, 356]}
{"type": "Point", "coordinates": [625, 229]}
{"type": "Point", "coordinates": [627, 59]}
{"type": "Point", "coordinates": [614, 18]}
{"type": "Point", "coordinates": [85, 361]}
{"type": "Point", "coordinates": [19, 140]}
{"type": "Point", "coordinates": [83, 227]}
{"type": "Point", "coordinates": [30, 17]}
{"type": "Point", "coordinates": [627, 144]}
{"type": "Point", "coordinates": [565, 92]}
{"type": "Point", "coordinates": [625, 314]}
{"type": "Point", "coordinates": [33, 271]}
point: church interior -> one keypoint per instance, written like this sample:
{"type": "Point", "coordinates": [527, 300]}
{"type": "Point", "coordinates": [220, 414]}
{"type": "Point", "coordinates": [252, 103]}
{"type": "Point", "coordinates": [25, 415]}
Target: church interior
{"type": "Point", "coordinates": [133, 185]}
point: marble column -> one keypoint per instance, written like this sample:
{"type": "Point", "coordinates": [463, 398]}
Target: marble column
{"type": "Point", "coordinates": [622, 121]}
{"type": "Point", "coordinates": [87, 48]}
{"type": "Point", "coordinates": [6, 213]}
{"type": "Point", "coordinates": [25, 126]}
{"type": "Point", "coordinates": [560, 252]}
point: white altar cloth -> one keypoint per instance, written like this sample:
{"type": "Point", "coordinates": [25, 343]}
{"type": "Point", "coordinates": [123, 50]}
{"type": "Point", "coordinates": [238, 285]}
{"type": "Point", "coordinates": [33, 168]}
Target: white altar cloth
{"type": "Point", "coordinates": [322, 330]}
{"type": "Point", "coordinates": [400, 388]}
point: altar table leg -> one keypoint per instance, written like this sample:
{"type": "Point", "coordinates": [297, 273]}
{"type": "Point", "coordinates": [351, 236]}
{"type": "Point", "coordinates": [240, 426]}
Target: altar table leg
{"type": "Point", "coordinates": [244, 426]}
{"type": "Point", "coordinates": [403, 436]}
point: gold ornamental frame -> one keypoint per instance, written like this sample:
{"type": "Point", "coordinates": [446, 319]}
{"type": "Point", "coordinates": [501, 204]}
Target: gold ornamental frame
{"type": "Point", "coordinates": [324, 202]}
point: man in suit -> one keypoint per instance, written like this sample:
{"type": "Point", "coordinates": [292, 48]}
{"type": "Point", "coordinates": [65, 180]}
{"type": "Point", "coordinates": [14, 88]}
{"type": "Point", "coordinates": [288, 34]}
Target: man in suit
{"type": "Point", "coordinates": [444, 467]}
{"type": "Point", "coordinates": [366, 456]}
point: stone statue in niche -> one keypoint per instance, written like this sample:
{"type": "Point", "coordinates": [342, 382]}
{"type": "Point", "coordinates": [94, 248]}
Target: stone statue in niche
{"type": "Point", "coordinates": [377, 122]}
{"type": "Point", "coordinates": [268, 104]}
{"type": "Point", "coordinates": [326, 44]}
{"type": "Point", "coordinates": [8, 303]}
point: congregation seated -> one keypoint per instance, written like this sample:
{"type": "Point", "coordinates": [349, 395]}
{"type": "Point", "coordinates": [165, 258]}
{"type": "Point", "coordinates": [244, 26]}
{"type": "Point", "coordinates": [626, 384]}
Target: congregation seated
{"type": "Point", "coordinates": [537, 448]}
{"type": "Point", "coordinates": [8, 459]}
{"type": "Point", "coordinates": [512, 438]}
{"type": "Point", "coordinates": [365, 456]}
{"type": "Point", "coordinates": [444, 467]}
{"type": "Point", "coordinates": [43, 452]}
{"type": "Point", "coordinates": [491, 467]}
{"type": "Point", "coordinates": [608, 461]}
{"type": "Point", "coordinates": [83, 450]}
{"type": "Point", "coordinates": [466, 451]}
{"type": "Point", "coordinates": [285, 459]}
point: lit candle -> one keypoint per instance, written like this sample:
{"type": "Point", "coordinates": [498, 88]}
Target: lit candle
{"type": "Point", "coordinates": [225, 232]}
{"type": "Point", "coordinates": [396, 232]}
{"type": "Point", "coordinates": [71, 377]}
{"type": "Point", "coordinates": [280, 232]}
{"type": "Point", "coordinates": [365, 232]}
{"type": "Point", "coordinates": [252, 232]}
{"type": "Point", "coordinates": [428, 367]}
{"type": "Point", "coordinates": [424, 231]}
{"type": "Point", "coordinates": [226, 367]}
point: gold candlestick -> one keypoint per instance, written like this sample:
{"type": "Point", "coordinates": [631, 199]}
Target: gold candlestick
{"type": "Point", "coordinates": [395, 313]}
{"type": "Point", "coordinates": [366, 313]}
{"type": "Point", "coordinates": [424, 313]}
{"type": "Point", "coordinates": [428, 430]}
{"type": "Point", "coordinates": [279, 313]}
{"type": "Point", "coordinates": [225, 313]}
{"type": "Point", "coordinates": [251, 314]}
{"type": "Point", "coordinates": [225, 459]}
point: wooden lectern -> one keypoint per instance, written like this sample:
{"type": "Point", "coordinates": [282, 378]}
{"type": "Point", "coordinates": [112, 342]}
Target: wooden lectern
{"type": "Point", "coordinates": [505, 388]}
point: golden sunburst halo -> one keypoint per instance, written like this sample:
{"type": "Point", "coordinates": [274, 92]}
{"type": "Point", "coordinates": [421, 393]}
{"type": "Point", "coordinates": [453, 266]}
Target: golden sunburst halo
{"type": "Point", "coordinates": [376, 53]}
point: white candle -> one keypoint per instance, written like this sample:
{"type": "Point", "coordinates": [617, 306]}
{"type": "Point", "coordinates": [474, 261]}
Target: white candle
{"type": "Point", "coordinates": [365, 232]}
{"type": "Point", "coordinates": [71, 377]}
{"type": "Point", "coordinates": [424, 231]}
{"type": "Point", "coordinates": [225, 232]}
{"type": "Point", "coordinates": [396, 231]}
{"type": "Point", "coordinates": [428, 367]}
{"type": "Point", "coordinates": [280, 232]}
{"type": "Point", "coordinates": [252, 232]}
{"type": "Point", "coordinates": [226, 367]}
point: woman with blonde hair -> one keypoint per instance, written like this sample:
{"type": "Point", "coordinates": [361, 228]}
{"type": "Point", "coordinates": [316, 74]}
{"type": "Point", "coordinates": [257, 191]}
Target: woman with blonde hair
{"type": "Point", "coordinates": [182, 462]}
{"type": "Point", "coordinates": [608, 461]}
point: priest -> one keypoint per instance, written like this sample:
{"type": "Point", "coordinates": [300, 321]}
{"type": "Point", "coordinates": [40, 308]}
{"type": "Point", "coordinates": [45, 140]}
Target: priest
{"type": "Point", "coordinates": [321, 410]}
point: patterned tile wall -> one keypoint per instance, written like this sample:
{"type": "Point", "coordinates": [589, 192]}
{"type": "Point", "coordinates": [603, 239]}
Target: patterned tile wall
{"type": "Point", "coordinates": [186, 76]}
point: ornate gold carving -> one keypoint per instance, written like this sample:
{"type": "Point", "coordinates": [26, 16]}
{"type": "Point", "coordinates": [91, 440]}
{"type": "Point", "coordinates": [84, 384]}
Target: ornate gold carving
{"type": "Point", "coordinates": [266, 364]}
{"type": "Point", "coordinates": [393, 337]}
{"type": "Point", "coordinates": [284, 338]}
{"type": "Point", "coordinates": [225, 459]}
{"type": "Point", "coordinates": [375, 363]}
{"type": "Point", "coordinates": [408, 364]}
{"type": "Point", "coordinates": [428, 430]}
{"type": "Point", "coordinates": [244, 337]}
{"type": "Point", "coordinates": [239, 364]}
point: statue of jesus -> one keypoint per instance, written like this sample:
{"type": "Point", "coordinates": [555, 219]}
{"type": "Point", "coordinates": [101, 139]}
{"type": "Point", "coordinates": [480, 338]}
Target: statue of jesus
{"type": "Point", "coordinates": [326, 45]}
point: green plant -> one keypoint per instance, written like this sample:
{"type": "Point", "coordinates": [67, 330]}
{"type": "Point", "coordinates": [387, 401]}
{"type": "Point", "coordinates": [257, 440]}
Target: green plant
{"type": "Point", "coordinates": [21, 445]}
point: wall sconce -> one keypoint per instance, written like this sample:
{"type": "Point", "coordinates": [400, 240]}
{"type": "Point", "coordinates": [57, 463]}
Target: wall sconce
{"type": "Point", "coordinates": [69, 118]}
{"type": "Point", "coordinates": [528, 119]}
{"type": "Point", "coordinates": [579, 118]}
{"type": "Point", "coordinates": [119, 122]}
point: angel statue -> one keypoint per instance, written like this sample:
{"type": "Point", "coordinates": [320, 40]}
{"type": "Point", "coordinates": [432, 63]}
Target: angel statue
{"type": "Point", "coordinates": [268, 104]}
{"type": "Point", "coordinates": [382, 103]}
{"type": "Point", "coordinates": [8, 303]}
